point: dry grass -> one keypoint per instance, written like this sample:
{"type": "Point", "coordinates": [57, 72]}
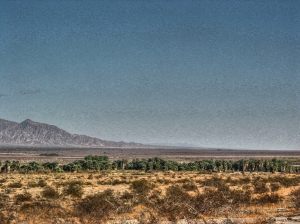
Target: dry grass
{"type": "Point", "coordinates": [101, 197]}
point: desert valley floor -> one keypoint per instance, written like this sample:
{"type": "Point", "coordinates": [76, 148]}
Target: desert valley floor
{"type": "Point", "coordinates": [65, 155]}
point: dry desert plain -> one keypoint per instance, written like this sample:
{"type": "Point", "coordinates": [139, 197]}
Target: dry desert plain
{"type": "Point", "coordinates": [66, 155]}
{"type": "Point", "coordinates": [130, 196]}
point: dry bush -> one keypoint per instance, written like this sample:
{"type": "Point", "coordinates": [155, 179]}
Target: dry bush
{"type": "Point", "coordinates": [142, 186]}
{"type": "Point", "coordinates": [4, 199]}
{"type": "Point", "coordinates": [40, 183]}
{"type": "Point", "coordinates": [210, 201]}
{"type": "Point", "coordinates": [286, 181]}
{"type": "Point", "coordinates": [260, 185]}
{"type": "Point", "coordinates": [190, 186]}
{"type": "Point", "coordinates": [117, 182]}
{"type": "Point", "coordinates": [275, 187]}
{"type": "Point", "coordinates": [99, 206]}
{"type": "Point", "coordinates": [15, 185]}
{"type": "Point", "coordinates": [240, 197]}
{"type": "Point", "coordinates": [43, 211]}
{"type": "Point", "coordinates": [127, 196]}
{"type": "Point", "coordinates": [176, 204]}
{"type": "Point", "coordinates": [221, 200]}
{"type": "Point", "coordinates": [295, 196]}
{"type": "Point", "coordinates": [185, 180]}
{"type": "Point", "coordinates": [74, 188]}
{"type": "Point", "coordinates": [67, 183]}
{"type": "Point", "coordinates": [3, 218]}
{"type": "Point", "coordinates": [23, 197]}
{"type": "Point", "coordinates": [175, 194]}
{"type": "Point", "coordinates": [239, 181]}
{"type": "Point", "coordinates": [50, 192]}
{"type": "Point", "coordinates": [214, 182]}
{"type": "Point", "coordinates": [2, 181]}
{"type": "Point", "coordinates": [272, 198]}
{"type": "Point", "coordinates": [163, 181]}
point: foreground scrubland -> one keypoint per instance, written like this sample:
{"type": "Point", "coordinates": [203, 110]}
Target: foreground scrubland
{"type": "Point", "coordinates": [114, 196]}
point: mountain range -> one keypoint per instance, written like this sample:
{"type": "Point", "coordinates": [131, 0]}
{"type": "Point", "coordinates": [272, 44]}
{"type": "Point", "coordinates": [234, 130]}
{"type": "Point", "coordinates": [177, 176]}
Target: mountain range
{"type": "Point", "coordinates": [33, 133]}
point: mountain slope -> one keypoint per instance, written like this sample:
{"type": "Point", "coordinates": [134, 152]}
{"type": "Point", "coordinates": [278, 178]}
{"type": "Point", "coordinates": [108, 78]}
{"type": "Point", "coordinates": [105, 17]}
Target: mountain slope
{"type": "Point", "coordinates": [29, 132]}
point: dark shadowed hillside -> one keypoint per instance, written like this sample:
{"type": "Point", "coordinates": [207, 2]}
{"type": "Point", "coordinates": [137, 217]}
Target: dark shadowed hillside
{"type": "Point", "coordinates": [29, 132]}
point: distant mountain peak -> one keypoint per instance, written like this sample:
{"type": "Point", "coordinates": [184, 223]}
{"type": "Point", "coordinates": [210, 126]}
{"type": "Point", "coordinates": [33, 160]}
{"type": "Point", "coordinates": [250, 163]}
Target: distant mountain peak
{"type": "Point", "coordinates": [27, 121]}
{"type": "Point", "coordinates": [30, 132]}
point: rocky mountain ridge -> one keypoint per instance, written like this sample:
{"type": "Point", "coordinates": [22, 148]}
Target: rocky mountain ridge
{"type": "Point", "coordinates": [29, 132]}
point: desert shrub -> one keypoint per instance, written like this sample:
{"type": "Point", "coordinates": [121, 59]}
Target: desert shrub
{"type": "Point", "coordinates": [223, 187]}
{"type": "Point", "coordinates": [295, 196]}
{"type": "Point", "coordinates": [99, 206]}
{"type": "Point", "coordinates": [175, 204]}
{"type": "Point", "coordinates": [166, 181]}
{"type": "Point", "coordinates": [218, 201]}
{"type": "Point", "coordinates": [175, 193]}
{"type": "Point", "coordinates": [286, 181]}
{"type": "Point", "coordinates": [40, 183]}
{"type": "Point", "coordinates": [184, 180]}
{"type": "Point", "coordinates": [238, 181]}
{"type": "Point", "coordinates": [272, 198]}
{"type": "Point", "coordinates": [23, 197]}
{"type": "Point", "coordinates": [32, 184]}
{"type": "Point", "coordinates": [74, 188]}
{"type": "Point", "coordinates": [275, 186]}
{"type": "Point", "coordinates": [15, 185]}
{"type": "Point", "coordinates": [50, 192]}
{"type": "Point", "coordinates": [67, 183]}
{"type": "Point", "coordinates": [239, 197]}
{"type": "Point", "coordinates": [215, 182]}
{"type": "Point", "coordinates": [190, 186]}
{"type": "Point", "coordinates": [44, 211]}
{"type": "Point", "coordinates": [127, 196]}
{"type": "Point", "coordinates": [117, 182]}
{"type": "Point", "coordinates": [160, 181]}
{"type": "Point", "coordinates": [3, 218]}
{"type": "Point", "coordinates": [163, 181]}
{"type": "Point", "coordinates": [260, 186]}
{"type": "Point", "coordinates": [246, 187]}
{"type": "Point", "coordinates": [141, 186]}
{"type": "Point", "coordinates": [4, 198]}
{"type": "Point", "coordinates": [2, 181]}
{"type": "Point", "coordinates": [210, 201]}
{"type": "Point", "coordinates": [123, 177]}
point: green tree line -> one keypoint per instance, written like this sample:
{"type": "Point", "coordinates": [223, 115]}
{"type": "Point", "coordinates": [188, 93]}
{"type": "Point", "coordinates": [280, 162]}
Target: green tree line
{"type": "Point", "coordinates": [98, 163]}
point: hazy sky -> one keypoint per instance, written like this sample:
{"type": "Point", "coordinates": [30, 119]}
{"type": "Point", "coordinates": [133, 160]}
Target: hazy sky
{"type": "Point", "coordinates": [212, 73]}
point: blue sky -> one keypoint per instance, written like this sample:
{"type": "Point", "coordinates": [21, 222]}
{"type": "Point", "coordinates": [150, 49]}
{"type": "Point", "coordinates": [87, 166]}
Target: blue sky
{"type": "Point", "coordinates": [222, 74]}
